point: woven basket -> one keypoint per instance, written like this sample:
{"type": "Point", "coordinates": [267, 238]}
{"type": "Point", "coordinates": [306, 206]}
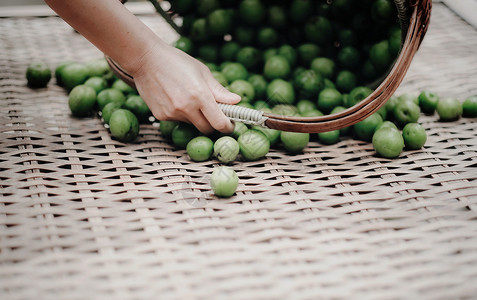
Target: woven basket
{"type": "Point", "coordinates": [84, 216]}
{"type": "Point", "coordinates": [414, 17]}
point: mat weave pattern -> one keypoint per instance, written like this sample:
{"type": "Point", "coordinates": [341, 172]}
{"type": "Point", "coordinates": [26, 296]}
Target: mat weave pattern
{"type": "Point", "coordinates": [83, 216]}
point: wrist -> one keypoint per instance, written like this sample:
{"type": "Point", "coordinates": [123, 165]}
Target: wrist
{"type": "Point", "coordinates": [134, 62]}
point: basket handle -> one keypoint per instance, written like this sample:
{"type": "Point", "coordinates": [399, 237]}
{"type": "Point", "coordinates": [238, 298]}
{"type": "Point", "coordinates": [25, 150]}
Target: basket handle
{"type": "Point", "coordinates": [415, 24]}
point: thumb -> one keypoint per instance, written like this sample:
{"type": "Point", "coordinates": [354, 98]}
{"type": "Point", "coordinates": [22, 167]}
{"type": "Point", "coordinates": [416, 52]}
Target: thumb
{"type": "Point", "coordinates": [221, 94]}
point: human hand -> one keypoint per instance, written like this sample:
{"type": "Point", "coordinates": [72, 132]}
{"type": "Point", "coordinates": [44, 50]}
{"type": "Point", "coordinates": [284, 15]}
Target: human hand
{"type": "Point", "coordinates": [174, 85]}
{"type": "Point", "coordinates": [178, 87]}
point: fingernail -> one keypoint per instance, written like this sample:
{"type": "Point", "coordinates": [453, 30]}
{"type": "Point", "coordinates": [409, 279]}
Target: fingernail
{"type": "Point", "coordinates": [231, 126]}
{"type": "Point", "coordinates": [237, 97]}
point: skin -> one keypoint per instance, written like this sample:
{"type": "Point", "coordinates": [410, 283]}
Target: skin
{"type": "Point", "coordinates": [174, 85]}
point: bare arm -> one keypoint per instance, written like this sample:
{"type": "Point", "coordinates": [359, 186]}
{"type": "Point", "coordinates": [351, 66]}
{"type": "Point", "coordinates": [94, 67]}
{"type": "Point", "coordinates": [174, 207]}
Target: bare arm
{"type": "Point", "coordinates": [174, 85]}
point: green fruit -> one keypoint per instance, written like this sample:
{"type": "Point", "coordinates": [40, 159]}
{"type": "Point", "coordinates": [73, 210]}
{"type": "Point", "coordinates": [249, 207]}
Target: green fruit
{"type": "Point", "coordinates": [98, 67]}
{"type": "Point", "coordinates": [205, 7]}
{"type": "Point", "coordinates": [305, 105]}
{"type": "Point", "coordinates": [449, 109]}
{"type": "Point", "coordinates": [312, 113]}
{"type": "Point", "coordinates": [388, 142]}
{"type": "Point", "coordinates": [383, 11]}
{"type": "Point", "coordinates": [259, 84]}
{"type": "Point", "coordinates": [182, 134]}
{"type": "Point", "coordinates": [347, 37]}
{"type": "Point", "coordinates": [285, 110]}
{"type": "Point", "coordinates": [308, 84]}
{"type": "Point", "coordinates": [124, 125]}
{"type": "Point", "coordinates": [199, 31]}
{"type": "Point", "coordinates": [380, 55]}
{"type": "Point", "coordinates": [365, 129]}
{"type": "Point", "coordinates": [414, 136]}
{"type": "Point", "coordinates": [73, 74]}
{"type": "Point", "coordinates": [220, 22]}
{"type": "Point", "coordinates": [244, 35]}
{"type": "Point", "coordinates": [251, 12]}
{"type": "Point", "coordinates": [428, 102]}
{"type": "Point", "coordinates": [239, 128]}
{"type": "Point", "coordinates": [38, 74]}
{"type": "Point", "coordinates": [329, 99]}
{"type": "Point", "coordinates": [345, 81]}
{"type": "Point", "coordinates": [357, 95]}
{"type": "Point", "coordinates": [226, 149]}
{"type": "Point", "coordinates": [280, 91]}
{"type": "Point", "coordinates": [108, 110]}
{"type": "Point", "coordinates": [267, 37]}
{"type": "Point", "coordinates": [136, 104]}
{"type": "Point", "coordinates": [409, 97]}
{"type": "Point", "coordinates": [209, 53]}
{"type": "Point", "coordinates": [323, 66]}
{"type": "Point", "coordinates": [224, 181]}
{"type": "Point", "coordinates": [244, 89]}
{"type": "Point", "coordinates": [123, 87]}
{"type": "Point", "coordinates": [276, 67]}
{"type": "Point", "coordinates": [307, 53]}
{"type": "Point", "coordinates": [110, 95]}
{"type": "Point", "coordinates": [253, 145]}
{"type": "Point", "coordinates": [294, 142]}
{"type": "Point", "coordinates": [300, 10]}
{"type": "Point", "coordinates": [228, 51]}
{"type": "Point", "coordinates": [200, 148]}
{"type": "Point", "coordinates": [59, 70]}
{"type": "Point", "coordinates": [391, 103]}
{"type": "Point", "coordinates": [272, 135]}
{"type": "Point", "coordinates": [289, 53]}
{"type": "Point", "coordinates": [277, 16]}
{"type": "Point", "coordinates": [270, 52]}
{"type": "Point", "coordinates": [234, 71]}
{"type": "Point", "coordinates": [329, 137]}
{"type": "Point", "coordinates": [318, 30]}
{"type": "Point", "coordinates": [166, 127]}
{"type": "Point", "coordinates": [349, 57]}
{"type": "Point", "coordinates": [261, 105]}
{"type": "Point", "coordinates": [406, 112]}
{"type": "Point", "coordinates": [249, 57]}
{"type": "Point", "coordinates": [388, 124]}
{"type": "Point", "coordinates": [97, 83]}
{"type": "Point", "coordinates": [469, 107]}
{"type": "Point", "coordinates": [81, 100]}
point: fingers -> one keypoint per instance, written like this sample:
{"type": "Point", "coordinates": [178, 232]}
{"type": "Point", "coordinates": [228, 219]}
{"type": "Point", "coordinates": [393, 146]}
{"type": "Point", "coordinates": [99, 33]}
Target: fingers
{"type": "Point", "coordinates": [201, 123]}
{"type": "Point", "coordinates": [195, 103]}
{"type": "Point", "coordinates": [216, 117]}
{"type": "Point", "coordinates": [211, 110]}
{"type": "Point", "coordinates": [220, 93]}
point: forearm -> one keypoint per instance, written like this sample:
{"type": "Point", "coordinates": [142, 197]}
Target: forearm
{"type": "Point", "coordinates": [110, 27]}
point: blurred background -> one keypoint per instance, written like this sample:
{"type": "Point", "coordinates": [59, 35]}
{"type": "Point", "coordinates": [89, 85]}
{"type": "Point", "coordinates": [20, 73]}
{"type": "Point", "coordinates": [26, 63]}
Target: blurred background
{"type": "Point", "coordinates": [464, 8]}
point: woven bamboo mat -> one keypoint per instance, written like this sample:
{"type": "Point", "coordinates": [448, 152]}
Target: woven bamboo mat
{"type": "Point", "coordinates": [85, 217]}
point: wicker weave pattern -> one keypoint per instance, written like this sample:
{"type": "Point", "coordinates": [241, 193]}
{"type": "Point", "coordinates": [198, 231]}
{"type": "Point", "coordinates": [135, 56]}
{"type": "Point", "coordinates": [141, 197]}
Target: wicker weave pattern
{"type": "Point", "coordinates": [85, 217]}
